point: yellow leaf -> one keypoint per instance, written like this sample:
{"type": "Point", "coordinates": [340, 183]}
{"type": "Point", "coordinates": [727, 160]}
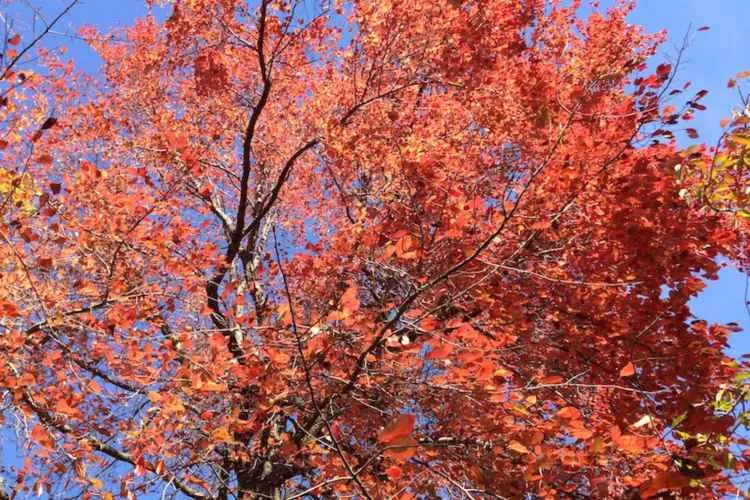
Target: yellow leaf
{"type": "Point", "coordinates": [503, 373]}
{"type": "Point", "coordinates": [211, 386]}
{"type": "Point", "coordinates": [597, 445]}
{"type": "Point", "coordinates": [222, 434]}
{"type": "Point", "coordinates": [518, 447]}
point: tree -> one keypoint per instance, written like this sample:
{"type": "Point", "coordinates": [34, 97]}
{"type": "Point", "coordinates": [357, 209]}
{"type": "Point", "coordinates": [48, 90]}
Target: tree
{"type": "Point", "coordinates": [716, 180]}
{"type": "Point", "coordinates": [286, 250]}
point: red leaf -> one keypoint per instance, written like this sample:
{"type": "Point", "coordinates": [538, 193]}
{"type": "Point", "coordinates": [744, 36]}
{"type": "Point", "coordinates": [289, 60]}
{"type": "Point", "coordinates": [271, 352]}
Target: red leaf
{"type": "Point", "coordinates": [667, 480]}
{"type": "Point", "coordinates": [15, 39]}
{"type": "Point", "coordinates": [394, 472]}
{"type": "Point", "coordinates": [400, 427]}
{"type": "Point", "coordinates": [9, 309]}
{"type": "Point", "coordinates": [44, 159]}
{"type": "Point", "coordinates": [700, 94]}
{"type": "Point", "coordinates": [440, 352]}
{"type": "Point", "coordinates": [663, 71]}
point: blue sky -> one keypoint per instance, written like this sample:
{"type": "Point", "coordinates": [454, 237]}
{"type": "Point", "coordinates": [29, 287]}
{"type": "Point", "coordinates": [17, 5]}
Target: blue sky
{"type": "Point", "coordinates": [712, 58]}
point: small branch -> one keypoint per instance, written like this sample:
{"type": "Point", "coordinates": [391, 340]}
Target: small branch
{"type": "Point", "coordinates": [48, 418]}
{"type": "Point", "coordinates": [41, 35]}
{"type": "Point", "coordinates": [308, 374]}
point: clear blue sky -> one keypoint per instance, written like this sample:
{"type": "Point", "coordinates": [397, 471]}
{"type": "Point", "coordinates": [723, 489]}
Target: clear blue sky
{"type": "Point", "coordinates": [712, 58]}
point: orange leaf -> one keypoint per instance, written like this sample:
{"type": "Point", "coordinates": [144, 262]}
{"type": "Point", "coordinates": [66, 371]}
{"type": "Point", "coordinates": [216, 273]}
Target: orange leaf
{"type": "Point", "coordinates": [405, 248]}
{"type": "Point", "coordinates": [222, 434]}
{"type": "Point", "coordinates": [402, 448]}
{"type": "Point", "coordinates": [541, 225]}
{"type": "Point", "coordinates": [628, 370]}
{"type": "Point", "coordinates": [631, 443]}
{"type": "Point", "coordinates": [80, 468]}
{"type": "Point", "coordinates": [349, 301]}
{"type": "Point", "coordinates": [211, 386]}
{"type": "Point", "coordinates": [502, 373]}
{"type": "Point", "coordinates": [518, 447]}
{"type": "Point", "coordinates": [569, 413]}
{"type": "Point", "coordinates": [41, 436]}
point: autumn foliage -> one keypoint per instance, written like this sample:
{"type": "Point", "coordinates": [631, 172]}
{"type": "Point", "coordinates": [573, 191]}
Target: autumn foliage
{"type": "Point", "coordinates": [385, 249]}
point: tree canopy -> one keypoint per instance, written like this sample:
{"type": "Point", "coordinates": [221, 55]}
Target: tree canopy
{"type": "Point", "coordinates": [300, 249]}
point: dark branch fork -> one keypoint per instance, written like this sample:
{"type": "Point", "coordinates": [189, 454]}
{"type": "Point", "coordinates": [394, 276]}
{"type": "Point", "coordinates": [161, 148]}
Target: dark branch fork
{"type": "Point", "coordinates": [238, 232]}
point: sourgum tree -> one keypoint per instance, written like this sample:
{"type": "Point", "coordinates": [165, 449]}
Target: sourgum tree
{"type": "Point", "coordinates": [384, 249]}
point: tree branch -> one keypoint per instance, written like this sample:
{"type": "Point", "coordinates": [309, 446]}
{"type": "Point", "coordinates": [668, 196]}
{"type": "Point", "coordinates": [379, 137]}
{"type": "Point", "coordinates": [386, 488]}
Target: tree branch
{"type": "Point", "coordinates": [308, 374]}
{"type": "Point", "coordinates": [47, 417]}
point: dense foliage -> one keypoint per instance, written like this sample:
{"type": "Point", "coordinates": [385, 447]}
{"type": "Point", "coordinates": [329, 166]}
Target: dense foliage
{"type": "Point", "coordinates": [384, 249]}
